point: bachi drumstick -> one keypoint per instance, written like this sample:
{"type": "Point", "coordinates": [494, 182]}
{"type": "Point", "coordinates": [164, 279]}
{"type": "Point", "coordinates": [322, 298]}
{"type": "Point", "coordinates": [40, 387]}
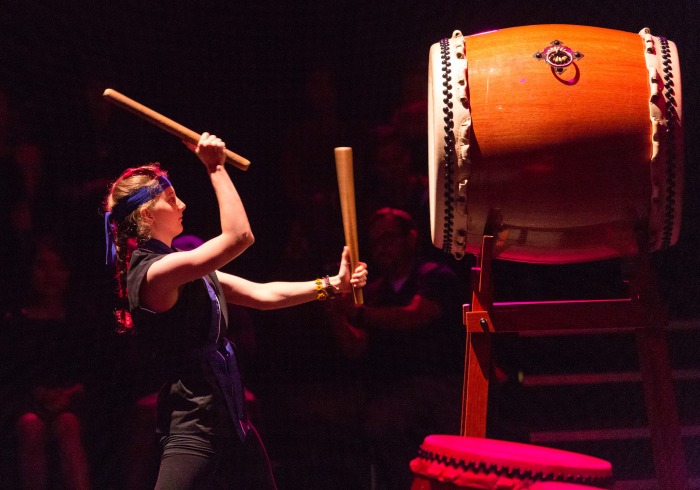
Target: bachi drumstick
{"type": "Point", "coordinates": [346, 188]}
{"type": "Point", "coordinates": [167, 124]}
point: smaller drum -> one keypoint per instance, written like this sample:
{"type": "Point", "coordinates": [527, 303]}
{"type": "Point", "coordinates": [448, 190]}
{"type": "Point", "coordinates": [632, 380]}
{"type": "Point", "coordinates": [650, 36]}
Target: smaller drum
{"type": "Point", "coordinates": [456, 462]}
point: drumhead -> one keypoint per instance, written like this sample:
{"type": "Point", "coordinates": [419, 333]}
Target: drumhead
{"type": "Point", "coordinates": [514, 455]}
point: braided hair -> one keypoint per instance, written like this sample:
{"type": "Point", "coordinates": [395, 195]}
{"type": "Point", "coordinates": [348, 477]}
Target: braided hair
{"type": "Point", "coordinates": [129, 233]}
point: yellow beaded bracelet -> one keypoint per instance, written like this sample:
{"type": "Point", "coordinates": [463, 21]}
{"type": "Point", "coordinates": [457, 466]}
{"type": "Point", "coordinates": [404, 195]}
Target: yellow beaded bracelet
{"type": "Point", "coordinates": [321, 293]}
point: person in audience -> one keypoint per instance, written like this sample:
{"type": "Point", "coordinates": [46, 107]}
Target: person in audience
{"type": "Point", "coordinates": [409, 340]}
{"type": "Point", "coordinates": [48, 347]}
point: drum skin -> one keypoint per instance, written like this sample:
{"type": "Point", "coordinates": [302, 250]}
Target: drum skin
{"type": "Point", "coordinates": [561, 157]}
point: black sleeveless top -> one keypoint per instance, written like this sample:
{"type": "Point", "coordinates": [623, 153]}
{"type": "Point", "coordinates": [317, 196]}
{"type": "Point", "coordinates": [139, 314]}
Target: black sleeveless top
{"type": "Point", "coordinates": [201, 390]}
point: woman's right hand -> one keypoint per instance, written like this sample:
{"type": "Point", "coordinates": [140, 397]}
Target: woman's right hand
{"type": "Point", "coordinates": [210, 150]}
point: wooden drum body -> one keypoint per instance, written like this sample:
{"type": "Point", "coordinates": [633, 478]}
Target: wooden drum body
{"type": "Point", "coordinates": [570, 137]}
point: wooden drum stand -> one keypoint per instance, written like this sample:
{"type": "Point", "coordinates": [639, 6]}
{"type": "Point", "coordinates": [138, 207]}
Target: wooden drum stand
{"type": "Point", "coordinates": [642, 312]}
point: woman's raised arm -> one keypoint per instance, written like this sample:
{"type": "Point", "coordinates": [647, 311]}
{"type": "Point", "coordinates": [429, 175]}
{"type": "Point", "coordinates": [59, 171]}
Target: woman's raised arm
{"type": "Point", "coordinates": [165, 276]}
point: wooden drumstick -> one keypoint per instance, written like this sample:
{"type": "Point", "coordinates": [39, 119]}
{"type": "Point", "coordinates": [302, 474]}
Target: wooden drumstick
{"type": "Point", "coordinates": [167, 124]}
{"type": "Point", "coordinates": [346, 188]}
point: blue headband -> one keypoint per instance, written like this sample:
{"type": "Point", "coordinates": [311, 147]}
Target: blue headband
{"type": "Point", "coordinates": [125, 207]}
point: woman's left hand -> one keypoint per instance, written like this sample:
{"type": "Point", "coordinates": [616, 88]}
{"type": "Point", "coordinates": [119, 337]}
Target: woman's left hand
{"type": "Point", "coordinates": [348, 280]}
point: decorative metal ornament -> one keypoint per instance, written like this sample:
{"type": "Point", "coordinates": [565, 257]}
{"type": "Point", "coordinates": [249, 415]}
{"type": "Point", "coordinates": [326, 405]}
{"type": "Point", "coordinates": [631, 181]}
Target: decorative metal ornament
{"type": "Point", "coordinates": [558, 56]}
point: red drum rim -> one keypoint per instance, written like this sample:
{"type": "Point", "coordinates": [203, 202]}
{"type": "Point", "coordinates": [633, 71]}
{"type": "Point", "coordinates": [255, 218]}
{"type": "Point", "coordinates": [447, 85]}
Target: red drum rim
{"type": "Point", "coordinates": [561, 486]}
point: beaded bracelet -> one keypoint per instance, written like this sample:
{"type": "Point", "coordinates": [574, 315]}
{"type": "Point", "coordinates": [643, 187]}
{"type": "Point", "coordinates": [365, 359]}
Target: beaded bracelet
{"type": "Point", "coordinates": [321, 293]}
{"type": "Point", "coordinates": [330, 289]}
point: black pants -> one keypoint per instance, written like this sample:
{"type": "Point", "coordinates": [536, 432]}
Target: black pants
{"type": "Point", "coordinates": [201, 462]}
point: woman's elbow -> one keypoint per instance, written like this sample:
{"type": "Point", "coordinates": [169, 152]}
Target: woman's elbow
{"type": "Point", "coordinates": [247, 238]}
{"type": "Point", "coordinates": [236, 243]}
{"type": "Point", "coordinates": [244, 240]}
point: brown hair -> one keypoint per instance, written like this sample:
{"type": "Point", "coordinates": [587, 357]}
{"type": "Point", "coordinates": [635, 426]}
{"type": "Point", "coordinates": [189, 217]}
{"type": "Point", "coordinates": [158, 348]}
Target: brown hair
{"type": "Point", "coordinates": [129, 232]}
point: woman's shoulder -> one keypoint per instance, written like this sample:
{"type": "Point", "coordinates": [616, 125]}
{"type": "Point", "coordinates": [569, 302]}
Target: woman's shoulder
{"type": "Point", "coordinates": [141, 260]}
{"type": "Point", "coordinates": [141, 253]}
{"type": "Point", "coordinates": [147, 254]}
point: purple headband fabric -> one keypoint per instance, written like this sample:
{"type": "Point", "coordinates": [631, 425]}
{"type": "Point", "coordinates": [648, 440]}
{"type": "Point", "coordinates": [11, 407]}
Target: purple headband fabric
{"type": "Point", "coordinates": [125, 207]}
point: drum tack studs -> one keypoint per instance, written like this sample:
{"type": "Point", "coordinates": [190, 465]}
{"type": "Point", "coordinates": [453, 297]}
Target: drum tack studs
{"type": "Point", "coordinates": [648, 40]}
{"type": "Point", "coordinates": [669, 94]}
{"type": "Point", "coordinates": [448, 148]}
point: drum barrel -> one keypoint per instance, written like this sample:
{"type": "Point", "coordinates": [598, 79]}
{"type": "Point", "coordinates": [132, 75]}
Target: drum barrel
{"type": "Point", "coordinates": [571, 135]}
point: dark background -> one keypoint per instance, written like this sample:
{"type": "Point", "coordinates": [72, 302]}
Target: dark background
{"type": "Point", "coordinates": [237, 69]}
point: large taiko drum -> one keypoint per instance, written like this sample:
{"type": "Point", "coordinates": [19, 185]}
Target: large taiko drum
{"type": "Point", "coordinates": [446, 462]}
{"type": "Point", "coordinates": [564, 141]}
